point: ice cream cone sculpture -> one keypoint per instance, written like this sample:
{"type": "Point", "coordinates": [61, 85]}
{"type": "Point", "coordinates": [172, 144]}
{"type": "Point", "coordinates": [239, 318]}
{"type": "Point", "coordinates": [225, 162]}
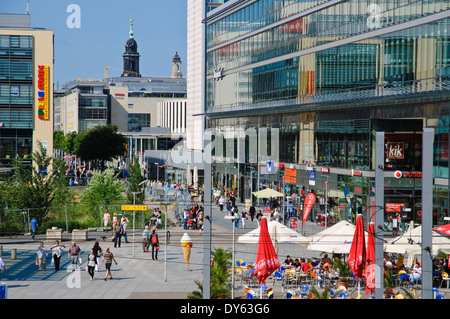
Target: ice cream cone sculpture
{"type": "Point", "coordinates": [186, 245]}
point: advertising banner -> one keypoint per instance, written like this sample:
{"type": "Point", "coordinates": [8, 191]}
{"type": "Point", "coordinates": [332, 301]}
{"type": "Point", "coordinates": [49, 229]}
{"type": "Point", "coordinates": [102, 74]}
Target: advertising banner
{"type": "Point", "coordinates": [310, 200]}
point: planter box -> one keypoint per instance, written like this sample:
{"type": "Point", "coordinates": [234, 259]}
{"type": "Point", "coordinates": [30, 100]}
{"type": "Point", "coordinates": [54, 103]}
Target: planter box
{"type": "Point", "coordinates": [54, 234]}
{"type": "Point", "coordinates": [79, 235]}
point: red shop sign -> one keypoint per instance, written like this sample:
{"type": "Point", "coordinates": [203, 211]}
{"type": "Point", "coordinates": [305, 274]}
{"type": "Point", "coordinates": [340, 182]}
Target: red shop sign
{"type": "Point", "coordinates": [395, 150]}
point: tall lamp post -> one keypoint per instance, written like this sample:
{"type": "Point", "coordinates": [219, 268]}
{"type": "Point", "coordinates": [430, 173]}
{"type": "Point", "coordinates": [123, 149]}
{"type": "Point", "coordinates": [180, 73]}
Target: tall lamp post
{"type": "Point", "coordinates": [165, 241]}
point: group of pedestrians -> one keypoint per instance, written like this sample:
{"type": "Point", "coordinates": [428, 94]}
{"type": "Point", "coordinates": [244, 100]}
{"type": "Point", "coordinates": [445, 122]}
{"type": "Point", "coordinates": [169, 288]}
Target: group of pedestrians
{"type": "Point", "coordinates": [119, 227]}
{"type": "Point", "coordinates": [94, 259]}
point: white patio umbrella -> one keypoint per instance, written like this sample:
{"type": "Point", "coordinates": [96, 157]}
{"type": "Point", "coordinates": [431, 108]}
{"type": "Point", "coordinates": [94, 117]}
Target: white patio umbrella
{"type": "Point", "coordinates": [335, 239]}
{"type": "Point", "coordinates": [409, 242]}
{"type": "Point", "coordinates": [188, 175]}
{"type": "Point", "coordinates": [195, 177]}
{"type": "Point", "coordinates": [278, 233]}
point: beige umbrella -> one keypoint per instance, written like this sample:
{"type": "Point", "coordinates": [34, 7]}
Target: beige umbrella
{"type": "Point", "coordinates": [267, 193]}
{"type": "Point", "coordinates": [188, 175]}
{"type": "Point", "coordinates": [195, 177]}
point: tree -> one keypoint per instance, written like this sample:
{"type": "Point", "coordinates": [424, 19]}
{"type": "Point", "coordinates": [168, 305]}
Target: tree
{"type": "Point", "coordinates": [101, 143]}
{"type": "Point", "coordinates": [134, 180]}
{"type": "Point", "coordinates": [103, 189]}
{"type": "Point", "coordinates": [63, 195]}
{"type": "Point", "coordinates": [58, 140]}
{"type": "Point", "coordinates": [70, 141]}
{"type": "Point", "coordinates": [35, 187]}
{"type": "Point", "coordinates": [220, 285]}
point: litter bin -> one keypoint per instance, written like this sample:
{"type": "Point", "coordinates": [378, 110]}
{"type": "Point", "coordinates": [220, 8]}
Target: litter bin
{"type": "Point", "coordinates": [3, 291]}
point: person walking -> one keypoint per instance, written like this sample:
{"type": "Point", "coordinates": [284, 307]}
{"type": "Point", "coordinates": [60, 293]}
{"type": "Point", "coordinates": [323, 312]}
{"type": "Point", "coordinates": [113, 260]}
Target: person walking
{"type": "Point", "coordinates": [106, 220]}
{"type": "Point", "coordinates": [56, 254]}
{"type": "Point", "coordinates": [114, 220]}
{"type": "Point", "coordinates": [124, 228]}
{"type": "Point", "coordinates": [108, 258]}
{"type": "Point", "coordinates": [154, 239]}
{"type": "Point", "coordinates": [145, 240]}
{"type": "Point", "coordinates": [200, 221]}
{"type": "Point", "coordinates": [33, 227]}
{"type": "Point", "coordinates": [221, 202]}
{"type": "Point", "coordinates": [91, 262]}
{"type": "Point", "coordinates": [98, 253]}
{"type": "Point", "coordinates": [185, 218]}
{"type": "Point", "coordinates": [74, 255]}
{"type": "Point", "coordinates": [118, 231]}
{"type": "Point", "coordinates": [243, 217]}
{"type": "Point", "coordinates": [41, 255]}
{"type": "Point", "coordinates": [252, 212]}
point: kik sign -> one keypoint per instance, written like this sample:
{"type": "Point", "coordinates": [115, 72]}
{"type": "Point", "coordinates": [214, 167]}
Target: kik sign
{"type": "Point", "coordinates": [43, 81]}
{"type": "Point", "coordinates": [395, 150]}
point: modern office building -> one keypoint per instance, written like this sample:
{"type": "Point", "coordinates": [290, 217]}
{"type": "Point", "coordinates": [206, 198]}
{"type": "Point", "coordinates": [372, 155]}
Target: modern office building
{"type": "Point", "coordinates": [310, 82]}
{"type": "Point", "coordinates": [26, 87]}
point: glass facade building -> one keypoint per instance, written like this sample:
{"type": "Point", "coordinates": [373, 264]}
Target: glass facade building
{"type": "Point", "coordinates": [16, 95]}
{"type": "Point", "coordinates": [26, 93]}
{"type": "Point", "coordinates": [322, 77]}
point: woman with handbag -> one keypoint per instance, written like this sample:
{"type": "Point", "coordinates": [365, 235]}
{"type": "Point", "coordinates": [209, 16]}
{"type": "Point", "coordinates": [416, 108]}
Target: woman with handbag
{"type": "Point", "coordinates": [98, 253]}
{"type": "Point", "coordinates": [91, 263]}
{"type": "Point", "coordinates": [41, 255]}
{"type": "Point", "coordinates": [56, 254]}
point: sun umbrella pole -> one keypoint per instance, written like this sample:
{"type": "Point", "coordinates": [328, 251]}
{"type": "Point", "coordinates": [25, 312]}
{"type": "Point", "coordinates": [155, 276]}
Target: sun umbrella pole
{"type": "Point", "coordinates": [234, 261]}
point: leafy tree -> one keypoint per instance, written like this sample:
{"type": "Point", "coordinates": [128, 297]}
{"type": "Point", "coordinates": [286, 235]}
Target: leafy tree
{"type": "Point", "coordinates": [134, 180]}
{"type": "Point", "coordinates": [4, 192]}
{"type": "Point", "coordinates": [58, 140]}
{"type": "Point", "coordinates": [101, 143]}
{"type": "Point", "coordinates": [63, 195]}
{"type": "Point", "coordinates": [103, 189]}
{"type": "Point", "coordinates": [220, 286]}
{"type": "Point", "coordinates": [35, 187]}
{"type": "Point", "coordinates": [70, 141]}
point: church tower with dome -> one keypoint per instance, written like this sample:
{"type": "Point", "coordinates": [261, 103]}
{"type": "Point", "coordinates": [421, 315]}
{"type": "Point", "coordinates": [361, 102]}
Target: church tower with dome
{"type": "Point", "coordinates": [176, 67]}
{"type": "Point", "coordinates": [131, 56]}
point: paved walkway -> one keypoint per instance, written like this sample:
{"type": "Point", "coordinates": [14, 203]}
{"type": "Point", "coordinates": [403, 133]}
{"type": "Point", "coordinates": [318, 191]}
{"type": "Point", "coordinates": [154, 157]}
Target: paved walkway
{"type": "Point", "coordinates": [136, 276]}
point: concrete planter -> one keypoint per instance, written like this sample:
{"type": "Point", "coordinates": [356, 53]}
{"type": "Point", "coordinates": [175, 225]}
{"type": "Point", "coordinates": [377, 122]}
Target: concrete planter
{"type": "Point", "coordinates": [54, 234]}
{"type": "Point", "coordinates": [79, 235]}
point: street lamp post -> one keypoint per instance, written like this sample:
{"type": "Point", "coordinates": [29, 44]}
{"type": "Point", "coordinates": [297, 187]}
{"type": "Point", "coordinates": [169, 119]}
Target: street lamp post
{"type": "Point", "coordinates": [165, 241]}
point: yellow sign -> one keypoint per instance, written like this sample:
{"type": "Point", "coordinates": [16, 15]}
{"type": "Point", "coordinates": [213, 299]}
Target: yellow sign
{"type": "Point", "coordinates": [134, 207]}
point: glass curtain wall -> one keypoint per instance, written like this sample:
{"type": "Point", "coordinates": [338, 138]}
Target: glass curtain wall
{"type": "Point", "coordinates": [16, 96]}
{"type": "Point", "coordinates": [400, 63]}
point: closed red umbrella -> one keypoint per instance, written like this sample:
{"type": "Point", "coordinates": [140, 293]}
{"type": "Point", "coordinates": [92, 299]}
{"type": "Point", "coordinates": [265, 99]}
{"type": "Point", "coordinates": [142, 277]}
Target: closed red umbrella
{"type": "Point", "coordinates": [357, 256]}
{"type": "Point", "coordinates": [370, 259]}
{"type": "Point", "coordinates": [266, 257]}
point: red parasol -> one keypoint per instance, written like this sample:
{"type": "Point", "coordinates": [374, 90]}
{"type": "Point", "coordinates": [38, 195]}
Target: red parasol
{"type": "Point", "coordinates": [445, 229]}
{"type": "Point", "coordinates": [357, 256]}
{"type": "Point", "coordinates": [370, 259]}
{"type": "Point", "coordinates": [266, 257]}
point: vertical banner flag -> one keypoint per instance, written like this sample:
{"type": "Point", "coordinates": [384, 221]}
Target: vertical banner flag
{"type": "Point", "coordinates": [310, 199]}
{"type": "Point", "coordinates": [350, 206]}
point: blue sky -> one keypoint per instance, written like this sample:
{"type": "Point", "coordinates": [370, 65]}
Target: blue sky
{"type": "Point", "coordinates": [159, 29]}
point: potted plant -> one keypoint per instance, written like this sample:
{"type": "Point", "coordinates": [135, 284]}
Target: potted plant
{"type": "Point", "coordinates": [388, 285]}
{"type": "Point", "coordinates": [344, 270]}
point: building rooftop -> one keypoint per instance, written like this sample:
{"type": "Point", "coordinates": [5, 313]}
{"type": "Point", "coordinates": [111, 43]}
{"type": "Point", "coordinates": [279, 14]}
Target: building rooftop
{"type": "Point", "coordinates": [10, 20]}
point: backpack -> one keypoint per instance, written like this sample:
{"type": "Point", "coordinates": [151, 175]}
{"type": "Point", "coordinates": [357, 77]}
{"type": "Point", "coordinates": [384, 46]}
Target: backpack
{"type": "Point", "coordinates": [154, 240]}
